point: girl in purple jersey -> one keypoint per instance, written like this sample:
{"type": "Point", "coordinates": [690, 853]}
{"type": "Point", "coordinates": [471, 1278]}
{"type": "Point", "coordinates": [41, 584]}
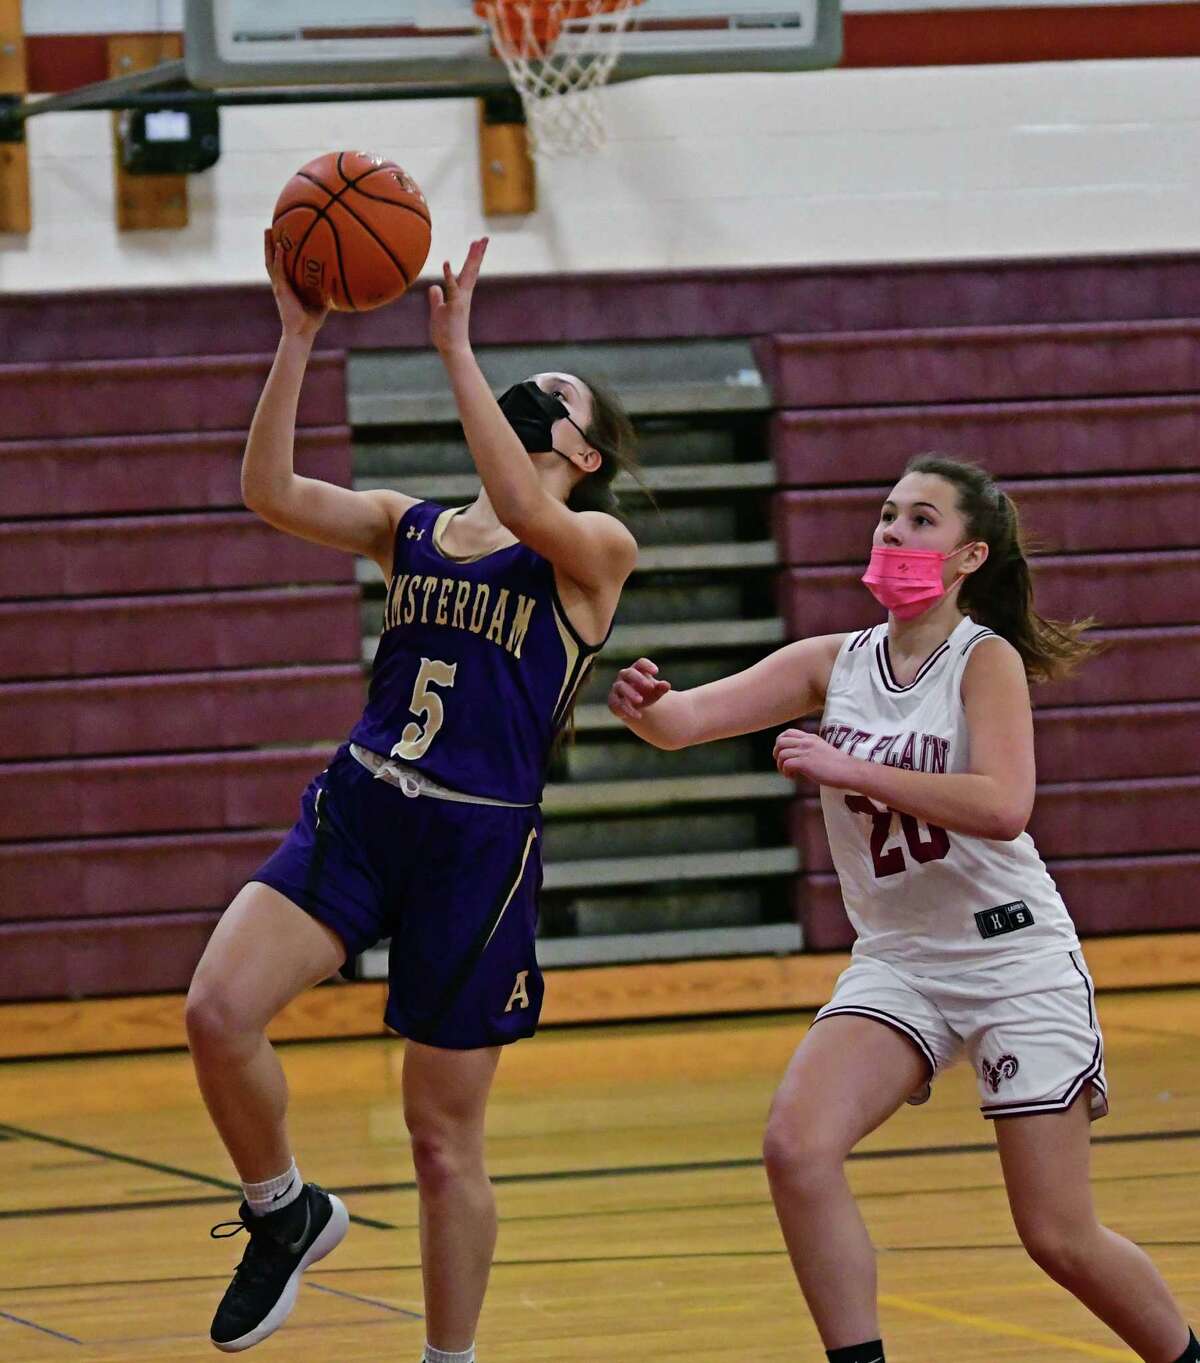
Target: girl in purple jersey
{"type": "Point", "coordinates": [925, 763]}
{"type": "Point", "coordinates": [425, 827]}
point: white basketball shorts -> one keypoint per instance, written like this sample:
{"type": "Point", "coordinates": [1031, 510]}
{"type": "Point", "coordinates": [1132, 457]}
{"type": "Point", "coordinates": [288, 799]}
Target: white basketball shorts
{"type": "Point", "coordinates": [1028, 1028]}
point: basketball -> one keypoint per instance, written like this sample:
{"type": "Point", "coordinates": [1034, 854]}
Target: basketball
{"type": "Point", "coordinates": [354, 229]}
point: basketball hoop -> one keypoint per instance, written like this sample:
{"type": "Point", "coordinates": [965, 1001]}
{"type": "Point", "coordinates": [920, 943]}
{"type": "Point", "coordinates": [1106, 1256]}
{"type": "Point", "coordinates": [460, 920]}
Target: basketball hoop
{"type": "Point", "coordinates": [558, 54]}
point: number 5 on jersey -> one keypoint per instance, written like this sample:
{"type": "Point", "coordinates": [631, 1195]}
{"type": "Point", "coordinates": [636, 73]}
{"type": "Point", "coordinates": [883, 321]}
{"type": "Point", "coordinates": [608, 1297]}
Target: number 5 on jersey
{"type": "Point", "coordinates": [416, 738]}
{"type": "Point", "coordinates": [889, 861]}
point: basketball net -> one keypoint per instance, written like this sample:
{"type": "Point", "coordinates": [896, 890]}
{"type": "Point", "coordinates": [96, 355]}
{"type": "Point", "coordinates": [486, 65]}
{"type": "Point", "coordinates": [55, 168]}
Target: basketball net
{"type": "Point", "coordinates": [558, 54]}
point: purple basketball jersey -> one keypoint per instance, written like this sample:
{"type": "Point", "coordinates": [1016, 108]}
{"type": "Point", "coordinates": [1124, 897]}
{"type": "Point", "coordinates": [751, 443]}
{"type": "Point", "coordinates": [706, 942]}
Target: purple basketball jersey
{"type": "Point", "coordinates": [477, 664]}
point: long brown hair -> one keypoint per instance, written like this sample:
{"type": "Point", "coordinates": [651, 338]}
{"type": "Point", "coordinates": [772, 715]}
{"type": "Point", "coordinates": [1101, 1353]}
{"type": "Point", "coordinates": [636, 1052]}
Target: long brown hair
{"type": "Point", "coordinates": [999, 594]}
{"type": "Point", "coordinates": [610, 433]}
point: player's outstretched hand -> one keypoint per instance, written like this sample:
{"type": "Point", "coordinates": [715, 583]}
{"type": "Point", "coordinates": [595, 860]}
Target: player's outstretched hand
{"type": "Point", "coordinates": [297, 317]}
{"type": "Point", "coordinates": [636, 689]}
{"type": "Point", "coordinates": [450, 302]}
{"type": "Point", "coordinates": [798, 754]}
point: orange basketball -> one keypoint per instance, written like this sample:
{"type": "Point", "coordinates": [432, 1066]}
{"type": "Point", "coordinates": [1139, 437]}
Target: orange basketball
{"type": "Point", "coordinates": [354, 230]}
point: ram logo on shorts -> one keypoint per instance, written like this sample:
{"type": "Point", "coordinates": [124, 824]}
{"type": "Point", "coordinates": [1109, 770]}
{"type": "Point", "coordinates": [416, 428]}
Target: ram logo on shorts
{"type": "Point", "coordinates": [1003, 1069]}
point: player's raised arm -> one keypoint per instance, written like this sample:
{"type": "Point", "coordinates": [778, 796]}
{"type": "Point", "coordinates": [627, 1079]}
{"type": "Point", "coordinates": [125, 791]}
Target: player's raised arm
{"type": "Point", "coordinates": [785, 685]}
{"type": "Point", "coordinates": [360, 522]}
{"type": "Point", "coordinates": [590, 547]}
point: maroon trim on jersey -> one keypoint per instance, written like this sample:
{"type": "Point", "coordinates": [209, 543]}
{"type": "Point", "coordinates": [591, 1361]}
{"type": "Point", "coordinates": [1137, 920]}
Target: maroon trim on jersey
{"type": "Point", "coordinates": [896, 1024]}
{"type": "Point", "coordinates": [975, 638]}
{"type": "Point", "coordinates": [860, 639]}
{"type": "Point", "coordinates": [883, 660]}
{"type": "Point", "coordinates": [1089, 1075]}
{"type": "Point", "coordinates": [1092, 1074]}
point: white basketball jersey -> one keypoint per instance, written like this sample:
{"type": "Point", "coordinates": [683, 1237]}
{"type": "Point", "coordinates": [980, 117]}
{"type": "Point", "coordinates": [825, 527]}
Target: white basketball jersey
{"type": "Point", "coordinates": [928, 900]}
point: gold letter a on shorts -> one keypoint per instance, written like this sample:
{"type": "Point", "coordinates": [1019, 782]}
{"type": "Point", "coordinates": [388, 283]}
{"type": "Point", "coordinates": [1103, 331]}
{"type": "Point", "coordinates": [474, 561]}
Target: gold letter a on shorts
{"type": "Point", "coordinates": [520, 995]}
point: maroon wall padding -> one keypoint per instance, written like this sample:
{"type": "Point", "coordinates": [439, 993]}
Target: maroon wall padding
{"type": "Point", "coordinates": [155, 553]}
{"type": "Point", "coordinates": [620, 306]}
{"type": "Point", "coordinates": [1120, 589]}
{"type": "Point", "coordinates": [105, 796]}
{"type": "Point", "coordinates": [1011, 439]}
{"type": "Point", "coordinates": [183, 633]}
{"type": "Point", "coordinates": [103, 877]}
{"type": "Point", "coordinates": [1077, 515]}
{"type": "Point", "coordinates": [1136, 665]}
{"type": "Point", "coordinates": [970, 364]}
{"type": "Point", "coordinates": [119, 956]}
{"type": "Point", "coordinates": [133, 397]}
{"type": "Point", "coordinates": [1074, 819]}
{"type": "Point", "coordinates": [189, 711]}
{"type": "Point", "coordinates": [1109, 742]}
{"type": "Point", "coordinates": [121, 474]}
{"type": "Point", "coordinates": [1107, 895]}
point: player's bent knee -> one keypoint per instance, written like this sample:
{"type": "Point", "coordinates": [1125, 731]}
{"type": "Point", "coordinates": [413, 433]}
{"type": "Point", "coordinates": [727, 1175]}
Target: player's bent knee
{"type": "Point", "coordinates": [1064, 1252]}
{"type": "Point", "coordinates": [441, 1163]}
{"type": "Point", "coordinates": [798, 1154]}
{"type": "Point", "coordinates": [213, 1018]}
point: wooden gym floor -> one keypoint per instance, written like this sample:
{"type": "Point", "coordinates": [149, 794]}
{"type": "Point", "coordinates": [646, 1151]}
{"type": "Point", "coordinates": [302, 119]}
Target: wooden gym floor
{"type": "Point", "coordinates": [635, 1220]}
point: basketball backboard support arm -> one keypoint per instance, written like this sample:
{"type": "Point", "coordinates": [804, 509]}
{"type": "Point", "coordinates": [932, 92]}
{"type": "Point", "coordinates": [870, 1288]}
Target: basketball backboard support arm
{"type": "Point", "coordinates": [167, 90]}
{"type": "Point", "coordinates": [434, 43]}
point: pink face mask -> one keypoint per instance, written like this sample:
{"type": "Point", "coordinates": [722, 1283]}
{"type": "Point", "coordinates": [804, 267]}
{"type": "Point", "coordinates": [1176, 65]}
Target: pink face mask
{"type": "Point", "coordinates": [907, 581]}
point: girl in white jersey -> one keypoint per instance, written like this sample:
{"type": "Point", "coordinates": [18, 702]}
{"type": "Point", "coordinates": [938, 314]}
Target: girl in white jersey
{"type": "Point", "coordinates": [926, 768]}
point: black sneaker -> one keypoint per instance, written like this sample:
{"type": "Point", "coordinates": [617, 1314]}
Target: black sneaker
{"type": "Point", "coordinates": [282, 1245]}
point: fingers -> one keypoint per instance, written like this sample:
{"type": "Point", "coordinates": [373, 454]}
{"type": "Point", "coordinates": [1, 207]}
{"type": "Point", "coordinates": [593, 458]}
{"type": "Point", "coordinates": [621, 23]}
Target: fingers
{"type": "Point", "coordinates": [642, 684]}
{"type": "Point", "coordinates": [436, 298]}
{"type": "Point", "coordinates": [633, 691]}
{"type": "Point", "coordinates": [274, 254]}
{"type": "Point", "coordinates": [471, 267]}
{"type": "Point", "coordinates": [466, 277]}
{"type": "Point", "coordinates": [623, 703]}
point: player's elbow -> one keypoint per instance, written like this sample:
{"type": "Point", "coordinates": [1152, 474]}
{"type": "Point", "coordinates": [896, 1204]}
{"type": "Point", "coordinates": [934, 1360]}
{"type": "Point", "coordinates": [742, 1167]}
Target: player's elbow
{"type": "Point", "coordinates": [262, 497]}
{"type": "Point", "coordinates": [672, 742]}
{"type": "Point", "coordinates": [254, 491]}
{"type": "Point", "coordinates": [1008, 822]}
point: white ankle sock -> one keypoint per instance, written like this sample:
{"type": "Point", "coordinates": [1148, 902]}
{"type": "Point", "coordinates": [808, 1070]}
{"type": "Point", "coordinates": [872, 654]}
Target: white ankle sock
{"type": "Point", "coordinates": [433, 1355]}
{"type": "Point", "coordinates": [274, 1193]}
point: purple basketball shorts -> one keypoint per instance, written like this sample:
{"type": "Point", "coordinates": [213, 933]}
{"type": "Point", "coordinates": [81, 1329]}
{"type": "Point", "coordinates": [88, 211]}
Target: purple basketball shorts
{"type": "Point", "coordinates": [454, 886]}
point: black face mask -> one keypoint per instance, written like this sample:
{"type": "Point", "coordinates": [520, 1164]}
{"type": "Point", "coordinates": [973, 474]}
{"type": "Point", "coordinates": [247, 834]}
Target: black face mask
{"type": "Point", "coordinates": [532, 414]}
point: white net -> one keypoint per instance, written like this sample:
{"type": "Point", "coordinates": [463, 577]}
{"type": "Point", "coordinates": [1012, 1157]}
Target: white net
{"type": "Point", "coordinates": [559, 53]}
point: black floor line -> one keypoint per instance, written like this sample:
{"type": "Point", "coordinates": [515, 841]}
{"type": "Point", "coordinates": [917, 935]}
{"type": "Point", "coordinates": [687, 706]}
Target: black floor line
{"type": "Point", "coordinates": [1009, 1247]}
{"type": "Point", "coordinates": [370, 1301]}
{"type": "Point", "coordinates": [543, 1176]}
{"type": "Point", "coordinates": [33, 1325]}
{"type": "Point", "coordinates": [351, 1190]}
{"type": "Point", "coordinates": [190, 1174]}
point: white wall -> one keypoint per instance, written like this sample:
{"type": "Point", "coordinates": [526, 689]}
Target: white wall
{"type": "Point", "coordinates": [839, 166]}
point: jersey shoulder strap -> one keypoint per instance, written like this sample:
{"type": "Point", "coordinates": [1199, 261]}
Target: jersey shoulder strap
{"type": "Point", "coordinates": [977, 635]}
{"type": "Point", "coordinates": [854, 655]}
{"type": "Point", "coordinates": [415, 527]}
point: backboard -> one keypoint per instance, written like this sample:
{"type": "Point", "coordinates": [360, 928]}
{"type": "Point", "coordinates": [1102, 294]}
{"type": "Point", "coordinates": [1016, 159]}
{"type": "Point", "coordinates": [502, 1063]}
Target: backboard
{"type": "Point", "coordinates": [443, 43]}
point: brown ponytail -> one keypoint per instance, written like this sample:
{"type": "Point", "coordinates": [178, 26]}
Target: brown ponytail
{"type": "Point", "coordinates": [999, 594]}
{"type": "Point", "coordinates": [611, 434]}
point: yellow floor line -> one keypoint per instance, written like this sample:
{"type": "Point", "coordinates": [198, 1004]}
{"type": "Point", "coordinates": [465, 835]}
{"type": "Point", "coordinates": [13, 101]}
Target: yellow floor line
{"type": "Point", "coordinates": [1003, 1327]}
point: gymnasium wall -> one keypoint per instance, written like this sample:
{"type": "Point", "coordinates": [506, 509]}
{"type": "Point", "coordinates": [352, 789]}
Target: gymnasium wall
{"type": "Point", "coordinates": [920, 163]}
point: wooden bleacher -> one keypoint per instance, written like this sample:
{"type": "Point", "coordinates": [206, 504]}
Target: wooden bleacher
{"type": "Point", "coordinates": [172, 672]}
